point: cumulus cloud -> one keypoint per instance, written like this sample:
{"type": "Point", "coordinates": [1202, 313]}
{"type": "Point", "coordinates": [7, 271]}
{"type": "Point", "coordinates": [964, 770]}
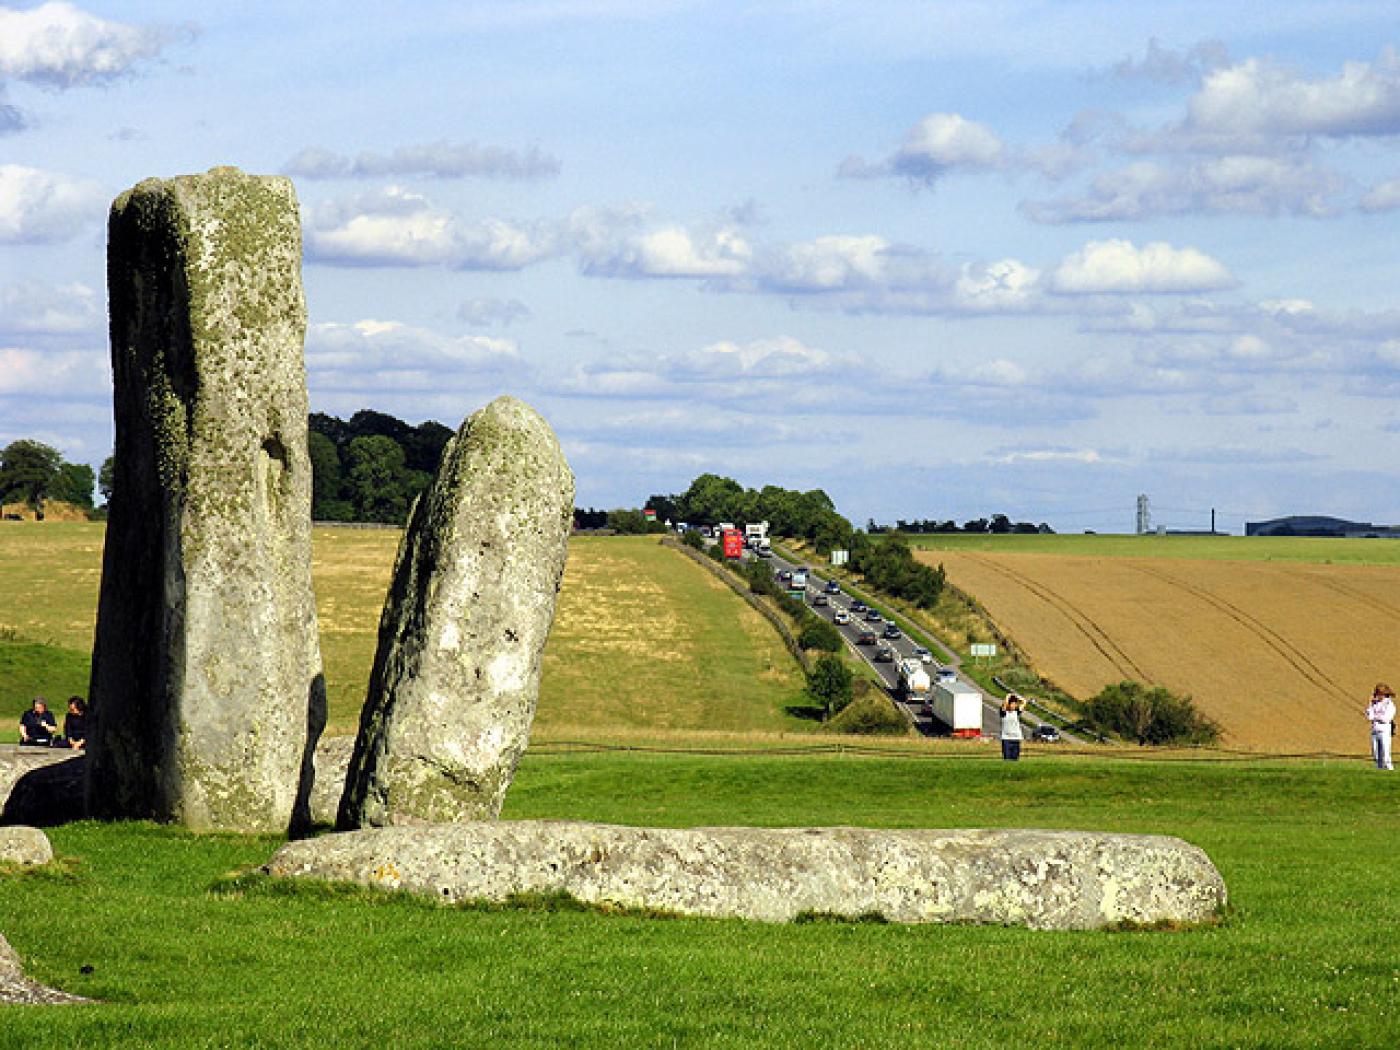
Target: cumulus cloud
{"type": "Point", "coordinates": [1005, 286]}
{"type": "Point", "coordinates": [1254, 98]}
{"type": "Point", "coordinates": [627, 242]}
{"type": "Point", "coordinates": [390, 355]}
{"type": "Point", "coordinates": [1165, 65]}
{"type": "Point", "coordinates": [1119, 266]}
{"type": "Point", "coordinates": [936, 145]}
{"type": "Point", "coordinates": [394, 227]}
{"type": "Point", "coordinates": [33, 308]}
{"type": "Point", "coordinates": [1240, 184]}
{"type": "Point", "coordinates": [38, 206]}
{"type": "Point", "coordinates": [444, 160]}
{"type": "Point", "coordinates": [57, 45]}
{"type": "Point", "coordinates": [1384, 196]}
{"type": "Point", "coordinates": [65, 374]}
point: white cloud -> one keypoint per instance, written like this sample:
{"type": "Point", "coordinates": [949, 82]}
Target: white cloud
{"type": "Point", "coordinates": [57, 374]}
{"type": "Point", "coordinates": [59, 46]}
{"type": "Point", "coordinates": [38, 206]}
{"type": "Point", "coordinates": [936, 145]}
{"type": "Point", "coordinates": [1255, 98]}
{"type": "Point", "coordinates": [394, 227]}
{"type": "Point", "coordinates": [1239, 184]}
{"type": "Point", "coordinates": [32, 307]}
{"type": "Point", "coordinates": [1003, 286]}
{"type": "Point", "coordinates": [1384, 196]}
{"type": "Point", "coordinates": [1119, 266]}
{"type": "Point", "coordinates": [1167, 66]}
{"type": "Point", "coordinates": [444, 160]}
{"type": "Point", "coordinates": [827, 264]}
{"type": "Point", "coordinates": [626, 242]}
{"type": "Point", "coordinates": [1088, 456]}
{"type": "Point", "coordinates": [375, 355]}
{"type": "Point", "coordinates": [484, 311]}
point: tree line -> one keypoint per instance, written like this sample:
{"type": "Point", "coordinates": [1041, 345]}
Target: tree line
{"type": "Point", "coordinates": [32, 472]}
{"type": "Point", "coordinates": [998, 524]}
{"type": "Point", "coordinates": [371, 467]}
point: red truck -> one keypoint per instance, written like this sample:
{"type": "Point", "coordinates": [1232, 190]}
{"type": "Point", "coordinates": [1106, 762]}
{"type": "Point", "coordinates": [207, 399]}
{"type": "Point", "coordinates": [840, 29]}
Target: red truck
{"type": "Point", "coordinates": [733, 541]}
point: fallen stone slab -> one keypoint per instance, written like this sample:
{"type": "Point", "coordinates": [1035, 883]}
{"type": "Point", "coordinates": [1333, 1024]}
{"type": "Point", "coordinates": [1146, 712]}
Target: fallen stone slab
{"type": "Point", "coordinates": [15, 988]}
{"type": "Point", "coordinates": [1051, 880]}
{"type": "Point", "coordinates": [26, 846]}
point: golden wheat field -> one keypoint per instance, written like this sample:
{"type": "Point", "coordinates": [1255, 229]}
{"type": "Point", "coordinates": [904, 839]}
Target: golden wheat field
{"type": "Point", "coordinates": [1282, 655]}
{"type": "Point", "coordinates": [643, 640]}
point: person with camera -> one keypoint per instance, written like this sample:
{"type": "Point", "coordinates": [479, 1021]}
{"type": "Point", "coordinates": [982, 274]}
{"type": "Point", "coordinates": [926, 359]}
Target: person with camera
{"type": "Point", "coordinates": [1381, 713]}
{"type": "Point", "coordinates": [37, 726]}
{"type": "Point", "coordinates": [1011, 732]}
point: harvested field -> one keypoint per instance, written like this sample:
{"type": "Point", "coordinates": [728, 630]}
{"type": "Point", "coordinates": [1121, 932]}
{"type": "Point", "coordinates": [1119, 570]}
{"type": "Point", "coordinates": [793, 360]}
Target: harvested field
{"type": "Point", "coordinates": [644, 638]}
{"type": "Point", "coordinates": [1282, 655]}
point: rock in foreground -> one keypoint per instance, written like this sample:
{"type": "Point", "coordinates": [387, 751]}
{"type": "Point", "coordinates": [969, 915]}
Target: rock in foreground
{"type": "Point", "coordinates": [25, 846]}
{"type": "Point", "coordinates": [1066, 880]}
{"type": "Point", "coordinates": [457, 671]}
{"type": "Point", "coordinates": [15, 988]}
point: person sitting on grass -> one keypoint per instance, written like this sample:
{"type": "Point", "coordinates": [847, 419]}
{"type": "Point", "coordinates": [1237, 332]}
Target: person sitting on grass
{"type": "Point", "coordinates": [37, 726]}
{"type": "Point", "coordinates": [75, 724]}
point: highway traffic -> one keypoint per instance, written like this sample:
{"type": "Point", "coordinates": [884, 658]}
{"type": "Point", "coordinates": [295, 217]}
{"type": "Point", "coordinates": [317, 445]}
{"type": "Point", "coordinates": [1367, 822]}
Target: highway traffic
{"type": "Point", "coordinates": [882, 645]}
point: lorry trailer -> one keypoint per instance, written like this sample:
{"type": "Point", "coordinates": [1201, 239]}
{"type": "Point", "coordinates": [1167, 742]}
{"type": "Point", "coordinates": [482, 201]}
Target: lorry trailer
{"type": "Point", "coordinates": [958, 706]}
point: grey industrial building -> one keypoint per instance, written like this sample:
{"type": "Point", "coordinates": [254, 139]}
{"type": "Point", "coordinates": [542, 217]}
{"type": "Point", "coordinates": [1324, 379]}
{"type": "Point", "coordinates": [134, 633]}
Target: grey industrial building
{"type": "Point", "coordinates": [1320, 525]}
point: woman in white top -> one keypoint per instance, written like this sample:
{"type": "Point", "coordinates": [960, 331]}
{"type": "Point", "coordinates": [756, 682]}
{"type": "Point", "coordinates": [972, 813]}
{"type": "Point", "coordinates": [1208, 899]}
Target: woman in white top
{"type": "Point", "coordinates": [1011, 727]}
{"type": "Point", "coordinates": [1381, 714]}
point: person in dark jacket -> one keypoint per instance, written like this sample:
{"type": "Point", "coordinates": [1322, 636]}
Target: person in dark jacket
{"type": "Point", "coordinates": [37, 726]}
{"type": "Point", "coordinates": [75, 724]}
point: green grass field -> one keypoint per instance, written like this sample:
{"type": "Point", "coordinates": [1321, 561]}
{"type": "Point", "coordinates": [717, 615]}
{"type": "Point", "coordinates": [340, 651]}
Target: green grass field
{"type": "Point", "coordinates": [1324, 550]}
{"type": "Point", "coordinates": [1307, 958]}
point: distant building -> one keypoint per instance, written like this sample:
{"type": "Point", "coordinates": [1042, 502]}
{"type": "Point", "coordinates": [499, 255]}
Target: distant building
{"type": "Point", "coordinates": [1320, 525]}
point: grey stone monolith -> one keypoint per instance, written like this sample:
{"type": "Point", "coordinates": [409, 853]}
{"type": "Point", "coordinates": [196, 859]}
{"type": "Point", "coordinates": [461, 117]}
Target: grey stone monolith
{"type": "Point", "coordinates": [457, 671]}
{"type": "Point", "coordinates": [1061, 880]}
{"type": "Point", "coordinates": [206, 694]}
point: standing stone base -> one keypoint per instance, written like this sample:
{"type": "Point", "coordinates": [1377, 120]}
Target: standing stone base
{"type": "Point", "coordinates": [1065, 880]}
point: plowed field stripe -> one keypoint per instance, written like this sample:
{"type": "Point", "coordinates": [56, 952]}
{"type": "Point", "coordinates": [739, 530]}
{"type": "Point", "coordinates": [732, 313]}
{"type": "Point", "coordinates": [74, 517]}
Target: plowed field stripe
{"type": "Point", "coordinates": [1260, 630]}
{"type": "Point", "coordinates": [1098, 637]}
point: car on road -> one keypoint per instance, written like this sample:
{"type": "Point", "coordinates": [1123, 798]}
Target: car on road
{"type": "Point", "coordinates": [820, 599]}
{"type": "Point", "coordinates": [784, 575]}
{"type": "Point", "coordinates": [946, 675]}
{"type": "Point", "coordinates": [857, 606]}
{"type": "Point", "coordinates": [922, 655]}
{"type": "Point", "coordinates": [884, 655]}
{"type": "Point", "coordinates": [865, 638]}
{"type": "Point", "coordinates": [891, 631]}
{"type": "Point", "coordinates": [1046, 734]}
{"type": "Point", "coordinates": [832, 587]}
{"type": "Point", "coordinates": [873, 616]}
{"type": "Point", "coordinates": [841, 617]}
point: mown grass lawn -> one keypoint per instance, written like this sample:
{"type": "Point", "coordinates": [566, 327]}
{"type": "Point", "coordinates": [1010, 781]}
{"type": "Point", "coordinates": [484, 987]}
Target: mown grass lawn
{"type": "Point", "coordinates": [1308, 956]}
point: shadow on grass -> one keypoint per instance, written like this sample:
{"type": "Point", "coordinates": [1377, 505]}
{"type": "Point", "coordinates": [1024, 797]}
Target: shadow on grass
{"type": "Point", "coordinates": [806, 712]}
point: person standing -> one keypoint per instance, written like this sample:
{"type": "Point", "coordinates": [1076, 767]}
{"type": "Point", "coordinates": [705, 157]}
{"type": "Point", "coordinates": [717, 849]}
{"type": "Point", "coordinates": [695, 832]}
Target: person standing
{"type": "Point", "coordinates": [1381, 714]}
{"type": "Point", "coordinates": [37, 726]}
{"type": "Point", "coordinates": [1011, 735]}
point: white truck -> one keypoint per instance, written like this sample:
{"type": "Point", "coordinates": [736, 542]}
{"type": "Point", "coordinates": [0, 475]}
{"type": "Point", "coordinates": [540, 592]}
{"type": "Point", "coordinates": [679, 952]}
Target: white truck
{"type": "Point", "coordinates": [914, 682]}
{"type": "Point", "coordinates": [754, 531]}
{"type": "Point", "coordinates": [958, 706]}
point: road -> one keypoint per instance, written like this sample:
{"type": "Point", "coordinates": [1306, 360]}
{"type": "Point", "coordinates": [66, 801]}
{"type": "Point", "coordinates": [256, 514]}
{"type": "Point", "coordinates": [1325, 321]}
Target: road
{"type": "Point", "coordinates": [903, 649]}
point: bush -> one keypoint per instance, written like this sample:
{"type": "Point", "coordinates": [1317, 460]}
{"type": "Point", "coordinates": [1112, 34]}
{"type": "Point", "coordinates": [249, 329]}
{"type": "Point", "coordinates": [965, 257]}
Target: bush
{"type": "Point", "coordinates": [870, 715]}
{"type": "Point", "coordinates": [816, 633]}
{"type": "Point", "coordinates": [692, 538]}
{"type": "Point", "coordinates": [1149, 715]}
{"type": "Point", "coordinates": [829, 684]}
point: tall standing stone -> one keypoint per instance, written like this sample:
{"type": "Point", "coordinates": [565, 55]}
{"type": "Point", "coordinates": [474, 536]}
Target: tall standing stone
{"type": "Point", "coordinates": [206, 694]}
{"type": "Point", "coordinates": [457, 672]}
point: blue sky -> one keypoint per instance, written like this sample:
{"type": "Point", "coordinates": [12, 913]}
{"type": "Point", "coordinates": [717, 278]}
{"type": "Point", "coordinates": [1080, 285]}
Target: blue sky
{"type": "Point", "coordinates": [939, 259]}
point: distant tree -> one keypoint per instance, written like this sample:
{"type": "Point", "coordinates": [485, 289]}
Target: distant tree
{"type": "Point", "coordinates": [829, 683]}
{"type": "Point", "coordinates": [975, 525]}
{"type": "Point", "coordinates": [666, 507]}
{"type": "Point", "coordinates": [590, 518]}
{"type": "Point", "coordinates": [423, 446]}
{"type": "Point", "coordinates": [1024, 528]}
{"type": "Point", "coordinates": [28, 471]}
{"type": "Point", "coordinates": [1149, 715]}
{"type": "Point", "coordinates": [74, 485]}
{"type": "Point", "coordinates": [375, 481]}
{"type": "Point", "coordinates": [326, 474]}
{"type": "Point", "coordinates": [629, 522]}
{"type": "Point", "coordinates": [1000, 524]}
